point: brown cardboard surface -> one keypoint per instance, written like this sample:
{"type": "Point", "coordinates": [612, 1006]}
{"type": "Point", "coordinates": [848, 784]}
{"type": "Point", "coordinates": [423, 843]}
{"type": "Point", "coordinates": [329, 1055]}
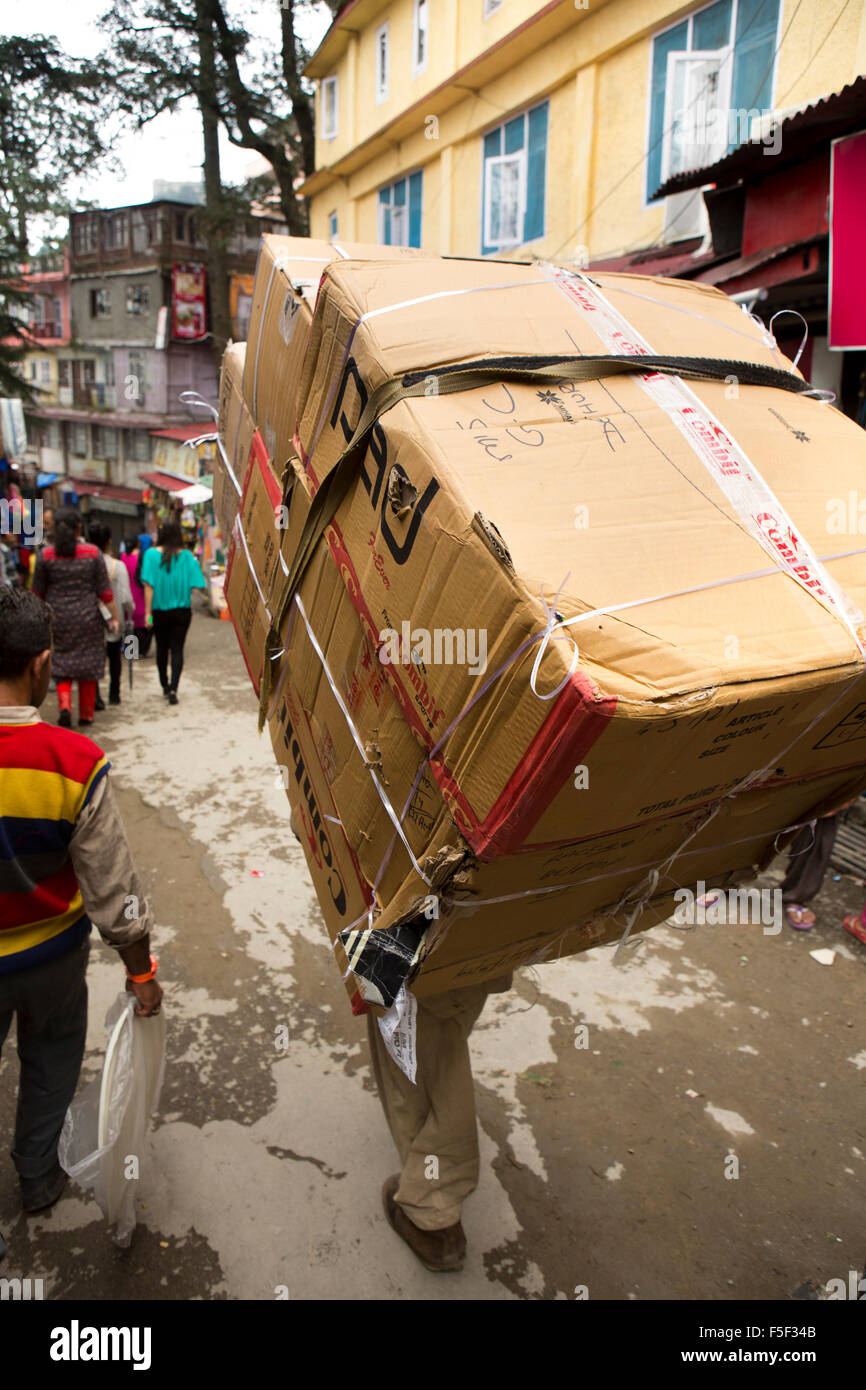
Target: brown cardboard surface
{"type": "Point", "coordinates": [287, 278]}
{"type": "Point", "coordinates": [537, 825]}
{"type": "Point", "coordinates": [236, 429]}
{"type": "Point", "coordinates": [557, 899]}
{"type": "Point", "coordinates": [342, 893]}
{"type": "Point", "coordinates": [253, 560]}
{"type": "Point", "coordinates": [729, 674]}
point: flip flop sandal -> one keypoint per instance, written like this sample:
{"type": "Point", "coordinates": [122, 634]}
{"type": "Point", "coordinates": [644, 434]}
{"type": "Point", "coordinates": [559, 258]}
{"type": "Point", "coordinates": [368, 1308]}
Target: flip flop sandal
{"type": "Point", "coordinates": [855, 927]}
{"type": "Point", "coordinates": [797, 917]}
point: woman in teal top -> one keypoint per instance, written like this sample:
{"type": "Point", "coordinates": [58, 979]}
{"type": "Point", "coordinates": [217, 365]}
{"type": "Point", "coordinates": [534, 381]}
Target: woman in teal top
{"type": "Point", "coordinates": [169, 573]}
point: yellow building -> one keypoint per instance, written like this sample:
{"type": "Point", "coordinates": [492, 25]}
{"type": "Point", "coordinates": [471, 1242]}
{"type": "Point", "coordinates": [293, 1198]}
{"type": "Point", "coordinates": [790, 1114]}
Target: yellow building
{"type": "Point", "coordinates": [523, 129]}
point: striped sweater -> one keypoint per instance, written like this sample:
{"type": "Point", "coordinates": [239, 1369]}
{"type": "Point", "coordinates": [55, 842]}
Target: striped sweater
{"type": "Point", "coordinates": [47, 777]}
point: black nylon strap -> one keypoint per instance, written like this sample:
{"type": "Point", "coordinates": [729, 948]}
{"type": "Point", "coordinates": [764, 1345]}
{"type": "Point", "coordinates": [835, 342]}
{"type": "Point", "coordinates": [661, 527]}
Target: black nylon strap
{"type": "Point", "coordinates": [465, 376]}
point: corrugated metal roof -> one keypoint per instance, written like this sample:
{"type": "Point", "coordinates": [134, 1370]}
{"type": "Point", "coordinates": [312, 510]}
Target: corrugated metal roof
{"type": "Point", "coordinates": [821, 121]}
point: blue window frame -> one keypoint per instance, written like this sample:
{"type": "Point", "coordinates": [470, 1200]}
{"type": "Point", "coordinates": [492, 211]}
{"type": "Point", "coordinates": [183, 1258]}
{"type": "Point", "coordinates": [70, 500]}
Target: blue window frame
{"type": "Point", "coordinates": [400, 212]}
{"type": "Point", "coordinates": [332, 226]}
{"type": "Point", "coordinates": [747, 30]}
{"type": "Point", "coordinates": [514, 174]}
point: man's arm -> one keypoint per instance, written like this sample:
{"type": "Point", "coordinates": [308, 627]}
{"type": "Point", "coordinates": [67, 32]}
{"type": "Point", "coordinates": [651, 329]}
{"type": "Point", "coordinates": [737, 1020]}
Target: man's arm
{"type": "Point", "coordinates": [111, 889]}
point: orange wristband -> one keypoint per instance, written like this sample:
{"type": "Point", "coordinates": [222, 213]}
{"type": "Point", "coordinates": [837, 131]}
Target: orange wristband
{"type": "Point", "coordinates": [143, 979]}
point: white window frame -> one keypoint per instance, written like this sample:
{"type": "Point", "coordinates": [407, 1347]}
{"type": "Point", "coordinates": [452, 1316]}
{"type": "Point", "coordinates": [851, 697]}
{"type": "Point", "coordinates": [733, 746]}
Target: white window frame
{"type": "Point", "coordinates": [392, 208]}
{"type": "Point", "coordinates": [647, 204]}
{"type": "Point", "coordinates": [137, 454]}
{"type": "Point", "coordinates": [109, 442]}
{"type": "Point", "coordinates": [137, 299]}
{"type": "Point", "coordinates": [101, 303]}
{"type": "Point", "coordinates": [44, 369]}
{"type": "Point", "coordinates": [518, 158]}
{"type": "Point", "coordinates": [490, 8]}
{"type": "Point", "coordinates": [383, 70]}
{"type": "Point", "coordinates": [419, 31]}
{"type": "Point", "coordinates": [329, 84]}
{"type": "Point", "coordinates": [725, 59]}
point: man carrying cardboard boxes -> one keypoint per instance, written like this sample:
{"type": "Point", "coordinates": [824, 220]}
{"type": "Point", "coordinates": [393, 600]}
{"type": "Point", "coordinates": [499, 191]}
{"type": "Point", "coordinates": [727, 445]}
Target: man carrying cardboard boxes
{"type": "Point", "coordinates": [433, 1124]}
{"type": "Point", "coordinates": [645, 719]}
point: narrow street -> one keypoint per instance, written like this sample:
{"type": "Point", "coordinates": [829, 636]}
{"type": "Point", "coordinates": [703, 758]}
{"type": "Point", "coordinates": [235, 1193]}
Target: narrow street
{"type": "Point", "coordinates": [603, 1167]}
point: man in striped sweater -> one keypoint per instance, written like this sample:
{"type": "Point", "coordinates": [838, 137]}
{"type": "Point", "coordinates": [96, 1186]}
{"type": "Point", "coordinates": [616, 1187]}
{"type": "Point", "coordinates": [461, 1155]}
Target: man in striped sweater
{"type": "Point", "coordinates": [64, 865]}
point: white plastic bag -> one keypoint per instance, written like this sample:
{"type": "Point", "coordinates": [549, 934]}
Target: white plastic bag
{"type": "Point", "coordinates": [102, 1141]}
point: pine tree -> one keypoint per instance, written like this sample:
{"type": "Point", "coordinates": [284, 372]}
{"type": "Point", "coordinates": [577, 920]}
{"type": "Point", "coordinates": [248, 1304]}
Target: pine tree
{"type": "Point", "coordinates": [52, 119]}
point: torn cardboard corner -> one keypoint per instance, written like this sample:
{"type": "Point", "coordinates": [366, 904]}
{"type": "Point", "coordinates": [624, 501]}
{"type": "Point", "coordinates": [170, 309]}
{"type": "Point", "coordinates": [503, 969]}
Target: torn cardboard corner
{"type": "Point", "coordinates": [287, 280]}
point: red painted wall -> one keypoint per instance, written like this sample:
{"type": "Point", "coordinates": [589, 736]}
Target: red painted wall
{"type": "Point", "coordinates": [788, 206]}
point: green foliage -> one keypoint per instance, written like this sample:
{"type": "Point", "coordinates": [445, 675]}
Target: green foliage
{"type": "Point", "coordinates": [52, 119]}
{"type": "Point", "coordinates": [256, 90]}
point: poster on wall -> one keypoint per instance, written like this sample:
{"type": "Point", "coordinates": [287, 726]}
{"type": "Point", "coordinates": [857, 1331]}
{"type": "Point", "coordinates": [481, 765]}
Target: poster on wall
{"type": "Point", "coordinates": [847, 217]}
{"type": "Point", "coordinates": [188, 302]}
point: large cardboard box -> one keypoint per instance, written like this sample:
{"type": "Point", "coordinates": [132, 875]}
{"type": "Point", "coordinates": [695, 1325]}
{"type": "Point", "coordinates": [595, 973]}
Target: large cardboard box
{"type": "Point", "coordinates": [236, 430]}
{"type": "Point", "coordinates": [466, 920]}
{"type": "Point", "coordinates": [714, 637]}
{"type": "Point", "coordinates": [253, 560]}
{"type": "Point", "coordinates": [287, 280]}
{"type": "Point", "coordinates": [706, 705]}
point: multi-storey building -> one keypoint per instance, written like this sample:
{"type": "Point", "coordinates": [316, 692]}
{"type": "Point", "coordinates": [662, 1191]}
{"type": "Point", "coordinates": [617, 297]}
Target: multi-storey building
{"type": "Point", "coordinates": [130, 321]}
{"type": "Point", "coordinates": [544, 128]}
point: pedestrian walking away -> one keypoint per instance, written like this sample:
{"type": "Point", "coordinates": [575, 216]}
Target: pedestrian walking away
{"type": "Point", "coordinates": [131, 558]}
{"type": "Point", "coordinates": [73, 580]}
{"type": "Point", "coordinates": [65, 865]}
{"type": "Point", "coordinates": [169, 573]}
{"type": "Point", "coordinates": [118, 577]}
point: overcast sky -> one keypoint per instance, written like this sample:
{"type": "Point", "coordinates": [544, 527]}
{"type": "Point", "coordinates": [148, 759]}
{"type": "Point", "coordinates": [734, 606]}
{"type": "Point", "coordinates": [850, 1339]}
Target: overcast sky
{"type": "Point", "coordinates": [171, 146]}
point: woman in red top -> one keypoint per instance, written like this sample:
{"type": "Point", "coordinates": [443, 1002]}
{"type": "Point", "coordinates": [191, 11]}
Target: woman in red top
{"type": "Point", "coordinates": [73, 580]}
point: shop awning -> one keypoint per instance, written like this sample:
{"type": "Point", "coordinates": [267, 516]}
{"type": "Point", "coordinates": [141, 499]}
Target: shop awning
{"type": "Point", "coordinates": [194, 494]}
{"type": "Point", "coordinates": [113, 492]}
{"type": "Point", "coordinates": [105, 497]}
{"type": "Point", "coordinates": [181, 433]}
{"type": "Point", "coordinates": [799, 133]}
{"type": "Point", "coordinates": [166, 482]}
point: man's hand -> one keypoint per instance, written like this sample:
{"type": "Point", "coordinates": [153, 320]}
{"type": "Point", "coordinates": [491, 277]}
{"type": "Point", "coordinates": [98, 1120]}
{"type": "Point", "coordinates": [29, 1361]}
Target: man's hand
{"type": "Point", "coordinates": [149, 996]}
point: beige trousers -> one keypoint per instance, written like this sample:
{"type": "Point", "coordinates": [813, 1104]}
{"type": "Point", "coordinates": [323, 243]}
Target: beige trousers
{"type": "Point", "coordinates": [433, 1121]}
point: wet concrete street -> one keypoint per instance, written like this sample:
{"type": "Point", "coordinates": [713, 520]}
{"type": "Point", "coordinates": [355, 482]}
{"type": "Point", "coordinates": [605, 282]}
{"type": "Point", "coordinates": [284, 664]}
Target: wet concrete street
{"type": "Point", "coordinates": [603, 1167]}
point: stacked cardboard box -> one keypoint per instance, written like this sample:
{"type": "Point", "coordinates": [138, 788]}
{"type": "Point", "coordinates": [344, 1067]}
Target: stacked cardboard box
{"type": "Point", "coordinates": [565, 645]}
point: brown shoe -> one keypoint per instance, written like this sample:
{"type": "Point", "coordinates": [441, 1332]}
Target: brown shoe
{"type": "Point", "coordinates": [438, 1251]}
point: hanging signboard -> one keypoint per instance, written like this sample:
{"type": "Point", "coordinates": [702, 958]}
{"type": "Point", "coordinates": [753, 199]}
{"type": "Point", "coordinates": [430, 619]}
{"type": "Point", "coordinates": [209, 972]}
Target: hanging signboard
{"type": "Point", "coordinates": [847, 328]}
{"type": "Point", "coordinates": [188, 302]}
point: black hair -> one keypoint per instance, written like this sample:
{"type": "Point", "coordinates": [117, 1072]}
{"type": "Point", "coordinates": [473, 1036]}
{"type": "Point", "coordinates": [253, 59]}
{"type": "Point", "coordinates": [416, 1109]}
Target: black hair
{"type": "Point", "coordinates": [130, 545]}
{"type": "Point", "coordinates": [66, 524]}
{"type": "Point", "coordinates": [99, 533]}
{"type": "Point", "coordinates": [25, 629]}
{"type": "Point", "coordinates": [170, 537]}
